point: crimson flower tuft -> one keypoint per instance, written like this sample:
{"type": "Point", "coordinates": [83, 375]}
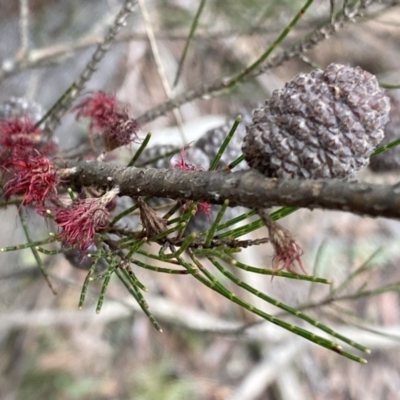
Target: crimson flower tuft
{"type": "Point", "coordinates": [101, 108]}
{"type": "Point", "coordinates": [35, 178]}
{"type": "Point", "coordinates": [182, 164]}
{"type": "Point", "coordinates": [120, 133]}
{"type": "Point", "coordinates": [287, 256]}
{"type": "Point", "coordinates": [80, 221]}
{"type": "Point", "coordinates": [108, 117]}
{"type": "Point", "coordinates": [204, 208]}
{"type": "Point", "coordinates": [18, 137]}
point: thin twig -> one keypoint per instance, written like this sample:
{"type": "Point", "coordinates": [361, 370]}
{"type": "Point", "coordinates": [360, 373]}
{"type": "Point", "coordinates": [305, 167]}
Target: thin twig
{"type": "Point", "coordinates": [159, 65]}
{"type": "Point", "coordinates": [220, 85]}
{"type": "Point", "coordinates": [61, 106]}
{"type": "Point", "coordinates": [23, 30]}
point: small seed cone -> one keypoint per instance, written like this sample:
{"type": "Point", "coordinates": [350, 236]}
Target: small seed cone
{"type": "Point", "coordinates": [324, 124]}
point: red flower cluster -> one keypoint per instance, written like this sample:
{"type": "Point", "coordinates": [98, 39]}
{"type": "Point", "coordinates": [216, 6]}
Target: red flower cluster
{"type": "Point", "coordinates": [35, 177]}
{"type": "Point", "coordinates": [18, 137]}
{"type": "Point", "coordinates": [109, 118]}
{"type": "Point", "coordinates": [100, 108]}
{"type": "Point", "coordinates": [22, 158]}
{"type": "Point", "coordinates": [183, 165]}
{"type": "Point", "coordinates": [81, 220]}
{"type": "Point", "coordinates": [28, 172]}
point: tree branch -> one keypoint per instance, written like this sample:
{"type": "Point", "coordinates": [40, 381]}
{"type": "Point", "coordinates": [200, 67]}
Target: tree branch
{"type": "Point", "coordinates": [347, 15]}
{"type": "Point", "coordinates": [245, 188]}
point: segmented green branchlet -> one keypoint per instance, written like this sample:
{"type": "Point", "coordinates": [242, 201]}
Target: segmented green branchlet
{"type": "Point", "coordinates": [211, 282]}
{"type": "Point", "coordinates": [167, 232]}
{"type": "Point", "coordinates": [34, 251]}
{"type": "Point", "coordinates": [48, 252]}
{"type": "Point", "coordinates": [365, 266]}
{"type": "Point", "coordinates": [160, 157]}
{"type": "Point", "coordinates": [104, 275]}
{"type": "Point", "coordinates": [134, 248]}
{"type": "Point", "coordinates": [235, 220]}
{"type": "Point", "coordinates": [229, 244]}
{"type": "Point", "coordinates": [123, 214]}
{"type": "Point", "coordinates": [131, 239]}
{"type": "Point", "coordinates": [225, 144]}
{"type": "Point", "coordinates": [186, 217]}
{"type": "Point", "coordinates": [71, 194]}
{"type": "Point", "coordinates": [184, 246]}
{"type": "Point", "coordinates": [28, 245]}
{"type": "Point", "coordinates": [85, 286]}
{"type": "Point", "coordinates": [238, 78]}
{"type": "Point", "coordinates": [124, 266]}
{"type": "Point", "coordinates": [389, 85]}
{"type": "Point", "coordinates": [286, 308]}
{"type": "Point", "coordinates": [211, 231]}
{"type": "Point", "coordinates": [156, 257]}
{"type": "Point", "coordinates": [386, 147]}
{"type": "Point", "coordinates": [123, 263]}
{"type": "Point", "coordinates": [225, 257]}
{"type": "Point", "coordinates": [139, 298]}
{"type": "Point", "coordinates": [189, 40]}
{"type": "Point", "coordinates": [252, 226]}
{"type": "Point", "coordinates": [159, 269]}
{"type": "Point", "coordinates": [140, 150]}
{"type": "Point", "coordinates": [234, 163]}
{"type": "Point", "coordinates": [332, 11]}
{"type": "Point", "coordinates": [103, 290]}
{"type": "Point", "coordinates": [171, 212]}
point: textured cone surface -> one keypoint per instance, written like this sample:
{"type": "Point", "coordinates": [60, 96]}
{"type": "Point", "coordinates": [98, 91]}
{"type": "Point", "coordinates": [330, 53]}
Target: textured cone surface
{"type": "Point", "coordinates": [212, 140]}
{"type": "Point", "coordinates": [16, 107]}
{"type": "Point", "coordinates": [389, 160]}
{"type": "Point", "coordinates": [324, 124]}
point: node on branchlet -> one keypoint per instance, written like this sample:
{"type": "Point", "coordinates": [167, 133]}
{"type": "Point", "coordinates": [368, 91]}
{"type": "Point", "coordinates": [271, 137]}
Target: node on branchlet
{"type": "Point", "coordinates": [324, 124]}
{"type": "Point", "coordinates": [389, 160]}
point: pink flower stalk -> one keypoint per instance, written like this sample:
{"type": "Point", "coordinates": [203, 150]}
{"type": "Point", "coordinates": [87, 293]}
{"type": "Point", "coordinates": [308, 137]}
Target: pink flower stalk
{"type": "Point", "coordinates": [35, 178]}
{"type": "Point", "coordinates": [183, 165]}
{"type": "Point", "coordinates": [80, 221]}
{"type": "Point", "coordinates": [110, 118]}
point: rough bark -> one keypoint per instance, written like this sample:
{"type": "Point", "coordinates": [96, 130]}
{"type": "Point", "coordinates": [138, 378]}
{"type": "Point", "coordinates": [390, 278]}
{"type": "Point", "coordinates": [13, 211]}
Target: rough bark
{"type": "Point", "coordinates": [244, 188]}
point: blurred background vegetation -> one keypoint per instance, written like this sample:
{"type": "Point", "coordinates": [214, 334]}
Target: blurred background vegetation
{"type": "Point", "coordinates": [52, 350]}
